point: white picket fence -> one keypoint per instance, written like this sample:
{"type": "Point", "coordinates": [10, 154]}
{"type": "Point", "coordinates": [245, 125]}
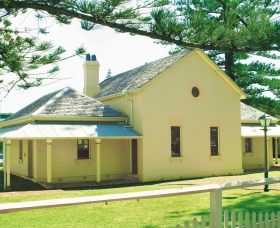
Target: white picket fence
{"type": "Point", "coordinates": [254, 221]}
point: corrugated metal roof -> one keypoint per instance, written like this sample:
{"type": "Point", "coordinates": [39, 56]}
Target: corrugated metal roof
{"type": "Point", "coordinates": [42, 130]}
{"type": "Point", "coordinates": [254, 130]}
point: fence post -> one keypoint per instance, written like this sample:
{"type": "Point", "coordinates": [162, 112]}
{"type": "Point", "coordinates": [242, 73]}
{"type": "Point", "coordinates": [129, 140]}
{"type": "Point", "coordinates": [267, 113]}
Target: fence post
{"type": "Point", "coordinates": [216, 209]}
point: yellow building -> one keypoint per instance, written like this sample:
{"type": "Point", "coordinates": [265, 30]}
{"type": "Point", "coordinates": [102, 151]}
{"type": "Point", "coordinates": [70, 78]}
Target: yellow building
{"type": "Point", "coordinates": [175, 118]}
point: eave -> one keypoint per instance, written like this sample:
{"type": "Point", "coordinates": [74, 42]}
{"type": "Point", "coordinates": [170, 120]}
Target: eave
{"type": "Point", "coordinates": [217, 69]}
{"type": "Point", "coordinates": [119, 94]}
{"type": "Point", "coordinates": [31, 118]}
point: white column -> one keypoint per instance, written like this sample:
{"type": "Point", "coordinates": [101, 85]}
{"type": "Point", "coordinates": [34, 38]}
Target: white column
{"type": "Point", "coordinates": [49, 160]}
{"type": "Point", "coordinates": [8, 163]}
{"type": "Point", "coordinates": [34, 142]}
{"type": "Point", "coordinates": [216, 208]}
{"type": "Point", "coordinates": [276, 150]}
{"type": "Point", "coordinates": [98, 160]}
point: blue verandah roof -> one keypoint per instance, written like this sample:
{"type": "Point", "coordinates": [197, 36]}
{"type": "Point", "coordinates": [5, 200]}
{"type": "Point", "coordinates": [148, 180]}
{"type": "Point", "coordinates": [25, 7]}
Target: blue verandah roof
{"type": "Point", "coordinates": [67, 130]}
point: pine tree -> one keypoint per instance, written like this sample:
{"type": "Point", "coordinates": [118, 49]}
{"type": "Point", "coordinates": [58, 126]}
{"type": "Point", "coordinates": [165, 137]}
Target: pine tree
{"type": "Point", "coordinates": [229, 31]}
{"type": "Point", "coordinates": [25, 56]}
{"type": "Point", "coordinates": [109, 74]}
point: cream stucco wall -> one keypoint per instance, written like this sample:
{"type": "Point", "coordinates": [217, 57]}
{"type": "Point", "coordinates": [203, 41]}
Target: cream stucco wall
{"type": "Point", "coordinates": [114, 160]}
{"type": "Point", "coordinates": [255, 159]}
{"type": "Point", "coordinates": [123, 105]}
{"type": "Point", "coordinates": [167, 99]}
{"type": "Point", "coordinates": [19, 166]}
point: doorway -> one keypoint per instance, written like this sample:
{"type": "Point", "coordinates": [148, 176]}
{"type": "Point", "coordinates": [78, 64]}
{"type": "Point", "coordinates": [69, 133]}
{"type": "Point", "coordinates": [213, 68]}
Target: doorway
{"type": "Point", "coordinates": [134, 156]}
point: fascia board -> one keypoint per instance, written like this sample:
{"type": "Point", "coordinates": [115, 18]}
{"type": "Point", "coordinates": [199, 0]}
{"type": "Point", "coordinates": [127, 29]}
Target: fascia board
{"type": "Point", "coordinates": [119, 94]}
{"type": "Point", "coordinates": [76, 137]}
{"type": "Point", "coordinates": [217, 69]}
{"type": "Point", "coordinates": [32, 118]}
{"type": "Point", "coordinates": [256, 121]}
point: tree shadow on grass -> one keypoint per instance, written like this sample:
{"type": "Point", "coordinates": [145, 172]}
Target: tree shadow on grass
{"type": "Point", "coordinates": [257, 202]}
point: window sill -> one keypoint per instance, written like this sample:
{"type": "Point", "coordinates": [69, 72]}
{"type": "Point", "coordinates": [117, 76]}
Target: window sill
{"type": "Point", "coordinates": [79, 161]}
{"type": "Point", "coordinates": [173, 159]}
{"type": "Point", "coordinates": [248, 154]}
{"type": "Point", "coordinates": [215, 157]}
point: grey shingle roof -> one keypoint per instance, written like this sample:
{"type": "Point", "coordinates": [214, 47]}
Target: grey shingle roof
{"type": "Point", "coordinates": [66, 102]}
{"type": "Point", "coordinates": [29, 109]}
{"type": "Point", "coordinates": [250, 113]}
{"type": "Point", "coordinates": [136, 78]}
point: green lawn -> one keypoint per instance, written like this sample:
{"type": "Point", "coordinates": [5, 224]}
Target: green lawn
{"type": "Point", "coordinates": [150, 213]}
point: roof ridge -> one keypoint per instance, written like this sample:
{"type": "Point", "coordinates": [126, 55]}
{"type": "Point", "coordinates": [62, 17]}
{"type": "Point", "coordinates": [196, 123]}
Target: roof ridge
{"type": "Point", "coordinates": [50, 101]}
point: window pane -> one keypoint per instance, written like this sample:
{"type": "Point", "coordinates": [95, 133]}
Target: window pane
{"type": "Point", "coordinates": [214, 146]}
{"type": "Point", "coordinates": [175, 142]}
{"type": "Point", "coordinates": [82, 149]}
{"type": "Point", "coordinates": [248, 145]}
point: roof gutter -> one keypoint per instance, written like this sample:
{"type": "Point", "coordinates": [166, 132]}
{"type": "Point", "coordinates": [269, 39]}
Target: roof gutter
{"type": "Point", "coordinates": [74, 137]}
{"type": "Point", "coordinates": [30, 118]}
{"type": "Point", "coordinates": [257, 122]}
{"type": "Point", "coordinates": [118, 94]}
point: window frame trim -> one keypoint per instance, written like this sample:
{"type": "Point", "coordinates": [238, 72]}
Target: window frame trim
{"type": "Point", "coordinates": [180, 157]}
{"type": "Point", "coordinates": [77, 151]}
{"type": "Point", "coordinates": [218, 139]}
{"type": "Point", "coordinates": [251, 145]}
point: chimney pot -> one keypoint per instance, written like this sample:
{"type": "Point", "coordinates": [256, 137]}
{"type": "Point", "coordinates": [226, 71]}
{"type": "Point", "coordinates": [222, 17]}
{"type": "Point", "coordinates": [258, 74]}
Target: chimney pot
{"type": "Point", "coordinates": [93, 58]}
{"type": "Point", "coordinates": [88, 57]}
{"type": "Point", "coordinates": [91, 77]}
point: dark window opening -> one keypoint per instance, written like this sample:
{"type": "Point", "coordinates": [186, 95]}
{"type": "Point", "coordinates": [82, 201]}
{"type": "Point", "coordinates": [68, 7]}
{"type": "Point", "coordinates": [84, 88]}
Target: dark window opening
{"type": "Point", "coordinates": [175, 142]}
{"type": "Point", "coordinates": [214, 143]}
{"type": "Point", "coordinates": [248, 145]}
{"type": "Point", "coordinates": [195, 92]}
{"type": "Point", "coordinates": [83, 148]}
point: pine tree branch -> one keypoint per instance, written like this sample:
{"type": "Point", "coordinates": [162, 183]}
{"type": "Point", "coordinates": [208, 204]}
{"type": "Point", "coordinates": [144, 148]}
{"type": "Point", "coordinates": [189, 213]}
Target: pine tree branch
{"type": "Point", "coordinates": [122, 26]}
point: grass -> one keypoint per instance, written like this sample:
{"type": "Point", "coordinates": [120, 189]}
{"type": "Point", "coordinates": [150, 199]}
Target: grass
{"type": "Point", "coordinates": [150, 213]}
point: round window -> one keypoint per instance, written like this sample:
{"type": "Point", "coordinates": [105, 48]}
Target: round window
{"type": "Point", "coordinates": [195, 92]}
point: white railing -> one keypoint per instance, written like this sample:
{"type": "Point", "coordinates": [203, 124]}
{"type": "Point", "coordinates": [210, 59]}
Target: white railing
{"type": "Point", "coordinates": [258, 221]}
{"type": "Point", "coordinates": [215, 190]}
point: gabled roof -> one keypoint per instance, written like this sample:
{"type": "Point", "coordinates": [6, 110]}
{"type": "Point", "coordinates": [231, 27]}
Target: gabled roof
{"type": "Point", "coordinates": [249, 113]}
{"type": "Point", "coordinates": [66, 102]}
{"type": "Point", "coordinates": [136, 78]}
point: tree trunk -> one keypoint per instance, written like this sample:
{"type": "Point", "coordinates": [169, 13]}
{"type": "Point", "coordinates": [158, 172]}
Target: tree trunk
{"type": "Point", "coordinates": [229, 62]}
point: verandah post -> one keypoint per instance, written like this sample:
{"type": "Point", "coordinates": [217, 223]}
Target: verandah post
{"type": "Point", "coordinates": [98, 141]}
{"type": "Point", "coordinates": [49, 162]}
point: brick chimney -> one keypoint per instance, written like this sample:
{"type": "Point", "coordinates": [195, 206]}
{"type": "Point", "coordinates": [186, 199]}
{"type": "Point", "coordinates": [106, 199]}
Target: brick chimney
{"type": "Point", "coordinates": [91, 76]}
